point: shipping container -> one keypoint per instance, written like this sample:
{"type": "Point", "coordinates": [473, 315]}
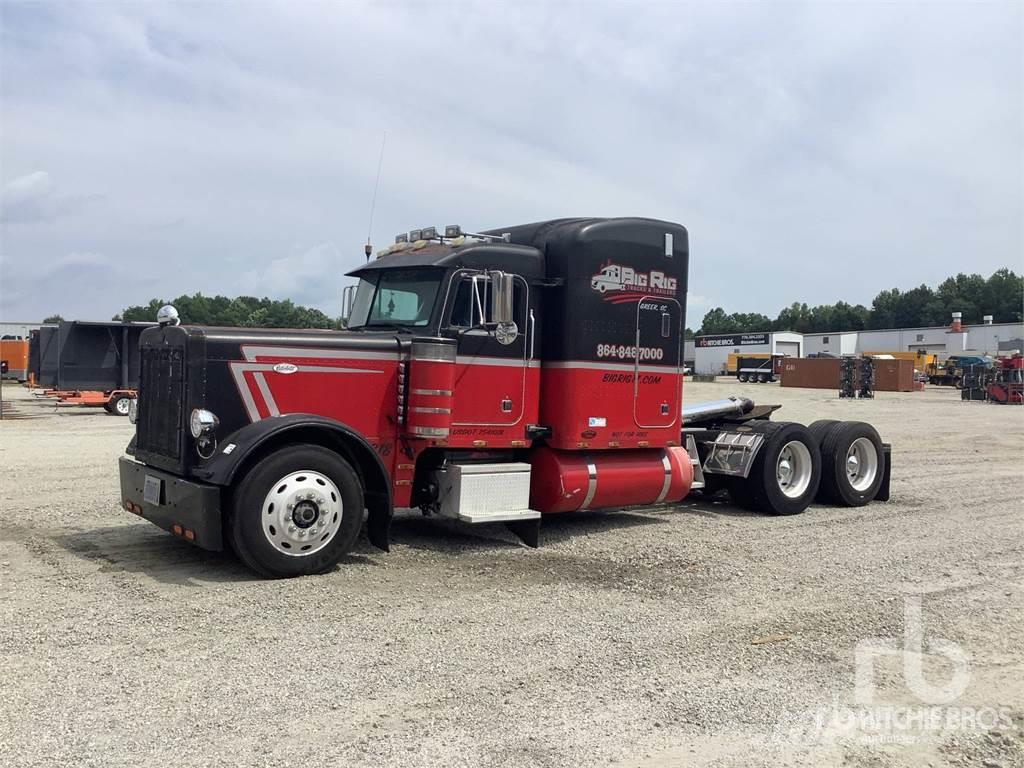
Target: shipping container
{"type": "Point", "coordinates": [823, 373]}
{"type": "Point", "coordinates": [15, 352]}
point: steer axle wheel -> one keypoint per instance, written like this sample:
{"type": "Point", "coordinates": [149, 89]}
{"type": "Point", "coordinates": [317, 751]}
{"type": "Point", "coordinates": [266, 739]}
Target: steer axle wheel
{"type": "Point", "coordinates": [296, 512]}
{"type": "Point", "coordinates": [784, 477]}
{"type": "Point", "coordinates": [853, 461]}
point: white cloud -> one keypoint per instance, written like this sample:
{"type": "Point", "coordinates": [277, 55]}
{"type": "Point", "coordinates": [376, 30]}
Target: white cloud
{"type": "Point", "coordinates": [815, 152]}
{"type": "Point", "coordinates": [30, 188]}
{"type": "Point", "coordinates": [311, 276]}
{"type": "Point", "coordinates": [34, 198]}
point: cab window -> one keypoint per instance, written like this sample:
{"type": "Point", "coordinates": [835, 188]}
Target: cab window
{"type": "Point", "coordinates": [403, 297]}
{"type": "Point", "coordinates": [465, 312]}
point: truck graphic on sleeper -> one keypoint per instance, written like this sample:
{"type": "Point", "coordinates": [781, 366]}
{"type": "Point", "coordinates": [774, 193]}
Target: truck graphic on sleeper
{"type": "Point", "coordinates": [611, 278]}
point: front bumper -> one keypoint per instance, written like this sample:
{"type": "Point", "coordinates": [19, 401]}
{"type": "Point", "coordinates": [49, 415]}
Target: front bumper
{"type": "Point", "coordinates": [187, 509]}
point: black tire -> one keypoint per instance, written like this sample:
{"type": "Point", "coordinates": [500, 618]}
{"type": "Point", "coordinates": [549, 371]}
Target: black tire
{"type": "Point", "coordinates": [836, 441]}
{"type": "Point", "coordinates": [762, 490]}
{"type": "Point", "coordinates": [819, 428]}
{"type": "Point", "coordinates": [762, 378]}
{"type": "Point", "coordinates": [118, 405]}
{"type": "Point", "coordinates": [245, 523]}
{"type": "Point", "coordinates": [743, 377]}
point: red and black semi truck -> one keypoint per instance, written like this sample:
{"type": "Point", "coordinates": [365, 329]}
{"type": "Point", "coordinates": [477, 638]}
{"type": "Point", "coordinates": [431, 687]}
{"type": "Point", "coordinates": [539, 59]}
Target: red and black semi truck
{"type": "Point", "coordinates": [490, 378]}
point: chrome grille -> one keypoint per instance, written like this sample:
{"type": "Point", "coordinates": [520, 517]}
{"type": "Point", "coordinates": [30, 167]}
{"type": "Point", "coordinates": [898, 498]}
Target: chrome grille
{"type": "Point", "coordinates": [161, 401]}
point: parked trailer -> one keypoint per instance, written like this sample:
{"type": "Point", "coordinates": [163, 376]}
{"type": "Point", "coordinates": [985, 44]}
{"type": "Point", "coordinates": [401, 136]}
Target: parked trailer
{"type": "Point", "coordinates": [491, 378]}
{"type": "Point", "coordinates": [117, 402]}
{"type": "Point", "coordinates": [760, 369]}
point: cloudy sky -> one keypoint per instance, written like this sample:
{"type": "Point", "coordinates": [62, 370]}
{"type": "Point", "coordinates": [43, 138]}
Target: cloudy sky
{"type": "Point", "coordinates": [816, 152]}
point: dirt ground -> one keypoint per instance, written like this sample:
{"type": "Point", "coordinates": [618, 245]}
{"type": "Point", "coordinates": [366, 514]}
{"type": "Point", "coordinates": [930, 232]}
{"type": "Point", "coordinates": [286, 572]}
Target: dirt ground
{"type": "Point", "coordinates": [686, 635]}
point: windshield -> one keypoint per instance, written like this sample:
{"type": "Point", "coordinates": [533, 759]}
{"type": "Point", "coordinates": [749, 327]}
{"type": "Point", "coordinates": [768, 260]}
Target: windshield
{"type": "Point", "coordinates": [395, 297]}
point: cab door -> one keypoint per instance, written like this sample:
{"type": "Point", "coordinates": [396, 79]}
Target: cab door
{"type": "Point", "coordinates": [657, 389]}
{"type": "Point", "coordinates": [490, 377]}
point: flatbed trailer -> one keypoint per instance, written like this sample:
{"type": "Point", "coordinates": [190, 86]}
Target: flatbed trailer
{"type": "Point", "coordinates": [116, 401]}
{"type": "Point", "coordinates": [490, 378]}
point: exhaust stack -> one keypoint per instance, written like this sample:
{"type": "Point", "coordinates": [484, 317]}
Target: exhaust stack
{"type": "Point", "coordinates": [732, 406]}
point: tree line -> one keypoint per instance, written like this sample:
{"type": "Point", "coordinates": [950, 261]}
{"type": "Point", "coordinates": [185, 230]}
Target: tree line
{"type": "Point", "coordinates": [1001, 295]}
{"type": "Point", "coordinates": [244, 311]}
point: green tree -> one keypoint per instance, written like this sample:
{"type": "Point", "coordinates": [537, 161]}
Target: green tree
{"type": "Point", "coordinates": [795, 317]}
{"type": "Point", "coordinates": [716, 321]}
{"type": "Point", "coordinates": [1004, 296]}
{"type": "Point", "coordinates": [246, 311]}
{"type": "Point", "coordinates": [883, 309]}
{"type": "Point", "coordinates": [53, 320]}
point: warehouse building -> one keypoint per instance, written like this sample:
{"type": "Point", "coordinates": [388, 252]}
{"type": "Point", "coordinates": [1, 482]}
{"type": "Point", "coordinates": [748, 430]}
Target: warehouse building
{"type": "Point", "coordinates": [712, 352]}
{"type": "Point", "coordinates": [16, 330]}
{"type": "Point", "coordinates": [985, 338]}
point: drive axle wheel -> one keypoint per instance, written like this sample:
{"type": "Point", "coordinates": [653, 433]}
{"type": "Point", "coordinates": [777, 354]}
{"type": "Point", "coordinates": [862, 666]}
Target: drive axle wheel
{"type": "Point", "coordinates": [296, 512]}
{"type": "Point", "coordinates": [784, 477]}
{"type": "Point", "coordinates": [853, 462]}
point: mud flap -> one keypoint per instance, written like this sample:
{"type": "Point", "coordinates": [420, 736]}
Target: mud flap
{"type": "Point", "coordinates": [378, 523]}
{"type": "Point", "coordinates": [527, 530]}
{"type": "Point", "coordinates": [883, 489]}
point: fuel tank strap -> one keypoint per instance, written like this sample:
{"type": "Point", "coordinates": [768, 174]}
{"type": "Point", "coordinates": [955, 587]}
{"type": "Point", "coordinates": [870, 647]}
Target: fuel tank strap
{"type": "Point", "coordinates": [668, 477]}
{"type": "Point", "coordinates": [591, 482]}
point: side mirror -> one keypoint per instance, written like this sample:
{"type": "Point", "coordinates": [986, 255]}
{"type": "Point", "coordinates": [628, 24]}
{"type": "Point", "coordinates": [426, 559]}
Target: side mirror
{"type": "Point", "coordinates": [348, 295]}
{"type": "Point", "coordinates": [502, 317]}
{"type": "Point", "coordinates": [501, 306]}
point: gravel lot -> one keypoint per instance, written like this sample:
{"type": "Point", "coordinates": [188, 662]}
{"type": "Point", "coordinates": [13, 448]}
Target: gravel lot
{"type": "Point", "coordinates": [627, 639]}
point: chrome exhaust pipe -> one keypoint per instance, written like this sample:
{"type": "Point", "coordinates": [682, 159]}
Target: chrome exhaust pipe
{"type": "Point", "coordinates": [732, 406]}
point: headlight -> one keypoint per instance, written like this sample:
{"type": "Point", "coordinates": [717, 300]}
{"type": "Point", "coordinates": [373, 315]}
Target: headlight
{"type": "Point", "coordinates": [133, 410]}
{"type": "Point", "coordinates": [202, 423]}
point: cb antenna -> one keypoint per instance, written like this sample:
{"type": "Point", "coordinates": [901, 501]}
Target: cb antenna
{"type": "Point", "coordinates": [368, 248]}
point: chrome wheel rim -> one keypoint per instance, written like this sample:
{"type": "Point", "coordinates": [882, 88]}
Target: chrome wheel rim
{"type": "Point", "coordinates": [122, 405]}
{"type": "Point", "coordinates": [302, 513]}
{"type": "Point", "coordinates": [793, 469]}
{"type": "Point", "coordinates": [861, 464]}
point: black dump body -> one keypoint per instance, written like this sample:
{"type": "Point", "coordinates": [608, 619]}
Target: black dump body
{"type": "Point", "coordinates": [85, 355]}
{"type": "Point", "coordinates": [44, 362]}
{"type": "Point", "coordinates": [100, 356]}
{"type": "Point", "coordinates": [33, 352]}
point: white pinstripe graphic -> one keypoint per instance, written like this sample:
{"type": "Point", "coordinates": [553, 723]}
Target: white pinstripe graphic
{"type": "Point", "coordinates": [259, 371]}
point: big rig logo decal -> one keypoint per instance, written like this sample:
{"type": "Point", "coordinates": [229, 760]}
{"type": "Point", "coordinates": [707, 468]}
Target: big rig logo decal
{"type": "Point", "coordinates": [621, 284]}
